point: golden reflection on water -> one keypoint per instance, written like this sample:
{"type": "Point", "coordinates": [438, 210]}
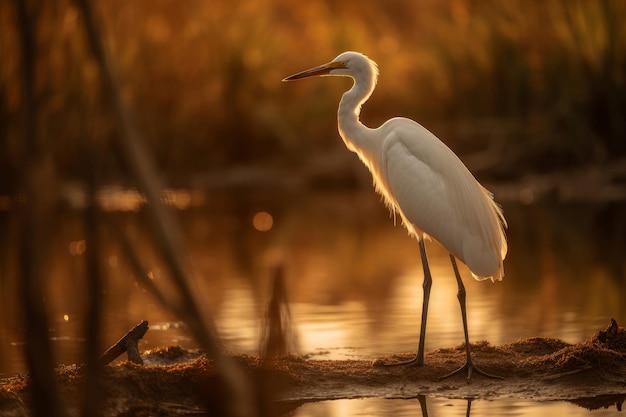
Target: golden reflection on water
{"type": "Point", "coordinates": [434, 406]}
{"type": "Point", "coordinates": [353, 279]}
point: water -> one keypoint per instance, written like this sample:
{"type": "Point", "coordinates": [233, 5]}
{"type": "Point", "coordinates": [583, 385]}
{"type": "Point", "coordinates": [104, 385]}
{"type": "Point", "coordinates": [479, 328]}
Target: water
{"type": "Point", "coordinates": [433, 406]}
{"type": "Point", "coordinates": [353, 281]}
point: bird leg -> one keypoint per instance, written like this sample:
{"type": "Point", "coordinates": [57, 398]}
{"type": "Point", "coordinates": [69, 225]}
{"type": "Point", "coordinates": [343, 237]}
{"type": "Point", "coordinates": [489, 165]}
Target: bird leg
{"type": "Point", "coordinates": [426, 285]}
{"type": "Point", "coordinates": [469, 365]}
{"type": "Point", "coordinates": [418, 360]}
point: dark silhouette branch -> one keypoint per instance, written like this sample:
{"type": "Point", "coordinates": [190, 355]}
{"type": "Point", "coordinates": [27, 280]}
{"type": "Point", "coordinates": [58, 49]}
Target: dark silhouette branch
{"type": "Point", "coordinates": [162, 220]}
{"type": "Point", "coordinates": [45, 399]}
{"type": "Point", "coordinates": [129, 343]}
{"type": "Point", "coordinates": [93, 274]}
{"type": "Point", "coordinates": [167, 232]}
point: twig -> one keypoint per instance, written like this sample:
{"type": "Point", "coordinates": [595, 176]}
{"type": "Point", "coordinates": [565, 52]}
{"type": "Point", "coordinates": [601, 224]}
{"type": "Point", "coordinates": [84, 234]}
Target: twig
{"type": "Point", "coordinates": [129, 343]}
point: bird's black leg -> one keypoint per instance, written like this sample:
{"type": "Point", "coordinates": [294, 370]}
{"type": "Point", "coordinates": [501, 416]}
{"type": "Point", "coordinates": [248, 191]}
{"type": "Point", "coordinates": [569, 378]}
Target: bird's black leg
{"type": "Point", "coordinates": [428, 282]}
{"type": "Point", "coordinates": [426, 285]}
{"type": "Point", "coordinates": [469, 365]}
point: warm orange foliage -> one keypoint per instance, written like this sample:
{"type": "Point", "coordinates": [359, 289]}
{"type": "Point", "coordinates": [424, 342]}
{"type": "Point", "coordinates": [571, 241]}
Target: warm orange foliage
{"type": "Point", "coordinates": [204, 77]}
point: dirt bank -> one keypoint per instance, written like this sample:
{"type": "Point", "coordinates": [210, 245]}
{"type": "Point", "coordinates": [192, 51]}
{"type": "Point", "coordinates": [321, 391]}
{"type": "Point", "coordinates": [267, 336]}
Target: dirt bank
{"type": "Point", "coordinates": [591, 374]}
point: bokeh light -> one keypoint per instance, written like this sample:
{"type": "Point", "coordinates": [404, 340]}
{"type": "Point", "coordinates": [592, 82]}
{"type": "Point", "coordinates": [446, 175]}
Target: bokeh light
{"type": "Point", "coordinates": [262, 221]}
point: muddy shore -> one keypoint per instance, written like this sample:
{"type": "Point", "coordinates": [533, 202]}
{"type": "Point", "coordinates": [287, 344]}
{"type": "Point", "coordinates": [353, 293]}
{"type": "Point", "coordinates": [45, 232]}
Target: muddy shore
{"type": "Point", "coordinates": [591, 374]}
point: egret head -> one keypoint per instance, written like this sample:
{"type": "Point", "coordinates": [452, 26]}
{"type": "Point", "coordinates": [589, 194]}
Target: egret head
{"type": "Point", "coordinates": [347, 64]}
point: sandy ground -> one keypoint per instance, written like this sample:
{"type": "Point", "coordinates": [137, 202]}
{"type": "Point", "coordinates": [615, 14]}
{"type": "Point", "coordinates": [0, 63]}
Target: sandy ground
{"type": "Point", "coordinates": [174, 381]}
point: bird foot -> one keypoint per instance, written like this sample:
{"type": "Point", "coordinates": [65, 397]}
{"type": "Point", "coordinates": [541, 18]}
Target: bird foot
{"type": "Point", "coordinates": [416, 361]}
{"type": "Point", "coordinates": [470, 367]}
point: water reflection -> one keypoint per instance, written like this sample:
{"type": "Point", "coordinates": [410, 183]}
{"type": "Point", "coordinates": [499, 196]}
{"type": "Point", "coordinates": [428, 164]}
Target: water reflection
{"type": "Point", "coordinates": [353, 280]}
{"type": "Point", "coordinates": [424, 406]}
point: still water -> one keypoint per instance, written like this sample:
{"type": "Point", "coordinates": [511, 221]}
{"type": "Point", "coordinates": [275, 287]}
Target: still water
{"type": "Point", "coordinates": [353, 282]}
{"type": "Point", "coordinates": [433, 407]}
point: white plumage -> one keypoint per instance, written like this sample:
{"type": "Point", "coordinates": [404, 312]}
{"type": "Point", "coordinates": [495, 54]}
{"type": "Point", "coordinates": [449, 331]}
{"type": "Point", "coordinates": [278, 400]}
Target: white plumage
{"type": "Point", "coordinates": [423, 181]}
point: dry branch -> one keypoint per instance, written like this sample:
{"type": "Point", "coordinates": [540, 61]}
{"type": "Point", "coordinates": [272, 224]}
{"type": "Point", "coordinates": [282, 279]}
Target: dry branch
{"type": "Point", "coordinates": [129, 343]}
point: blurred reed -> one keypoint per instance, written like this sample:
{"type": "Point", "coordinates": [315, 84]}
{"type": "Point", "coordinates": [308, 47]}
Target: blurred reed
{"type": "Point", "coordinates": [37, 213]}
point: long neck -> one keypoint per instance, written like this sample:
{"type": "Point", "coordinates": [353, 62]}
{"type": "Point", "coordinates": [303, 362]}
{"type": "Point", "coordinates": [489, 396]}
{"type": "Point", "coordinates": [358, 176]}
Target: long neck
{"type": "Point", "coordinates": [354, 134]}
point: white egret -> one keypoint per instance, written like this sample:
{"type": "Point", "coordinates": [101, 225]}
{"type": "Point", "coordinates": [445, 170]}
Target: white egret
{"type": "Point", "coordinates": [426, 184]}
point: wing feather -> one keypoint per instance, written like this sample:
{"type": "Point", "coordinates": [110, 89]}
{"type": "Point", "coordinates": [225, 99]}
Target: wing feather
{"type": "Point", "coordinates": [435, 194]}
